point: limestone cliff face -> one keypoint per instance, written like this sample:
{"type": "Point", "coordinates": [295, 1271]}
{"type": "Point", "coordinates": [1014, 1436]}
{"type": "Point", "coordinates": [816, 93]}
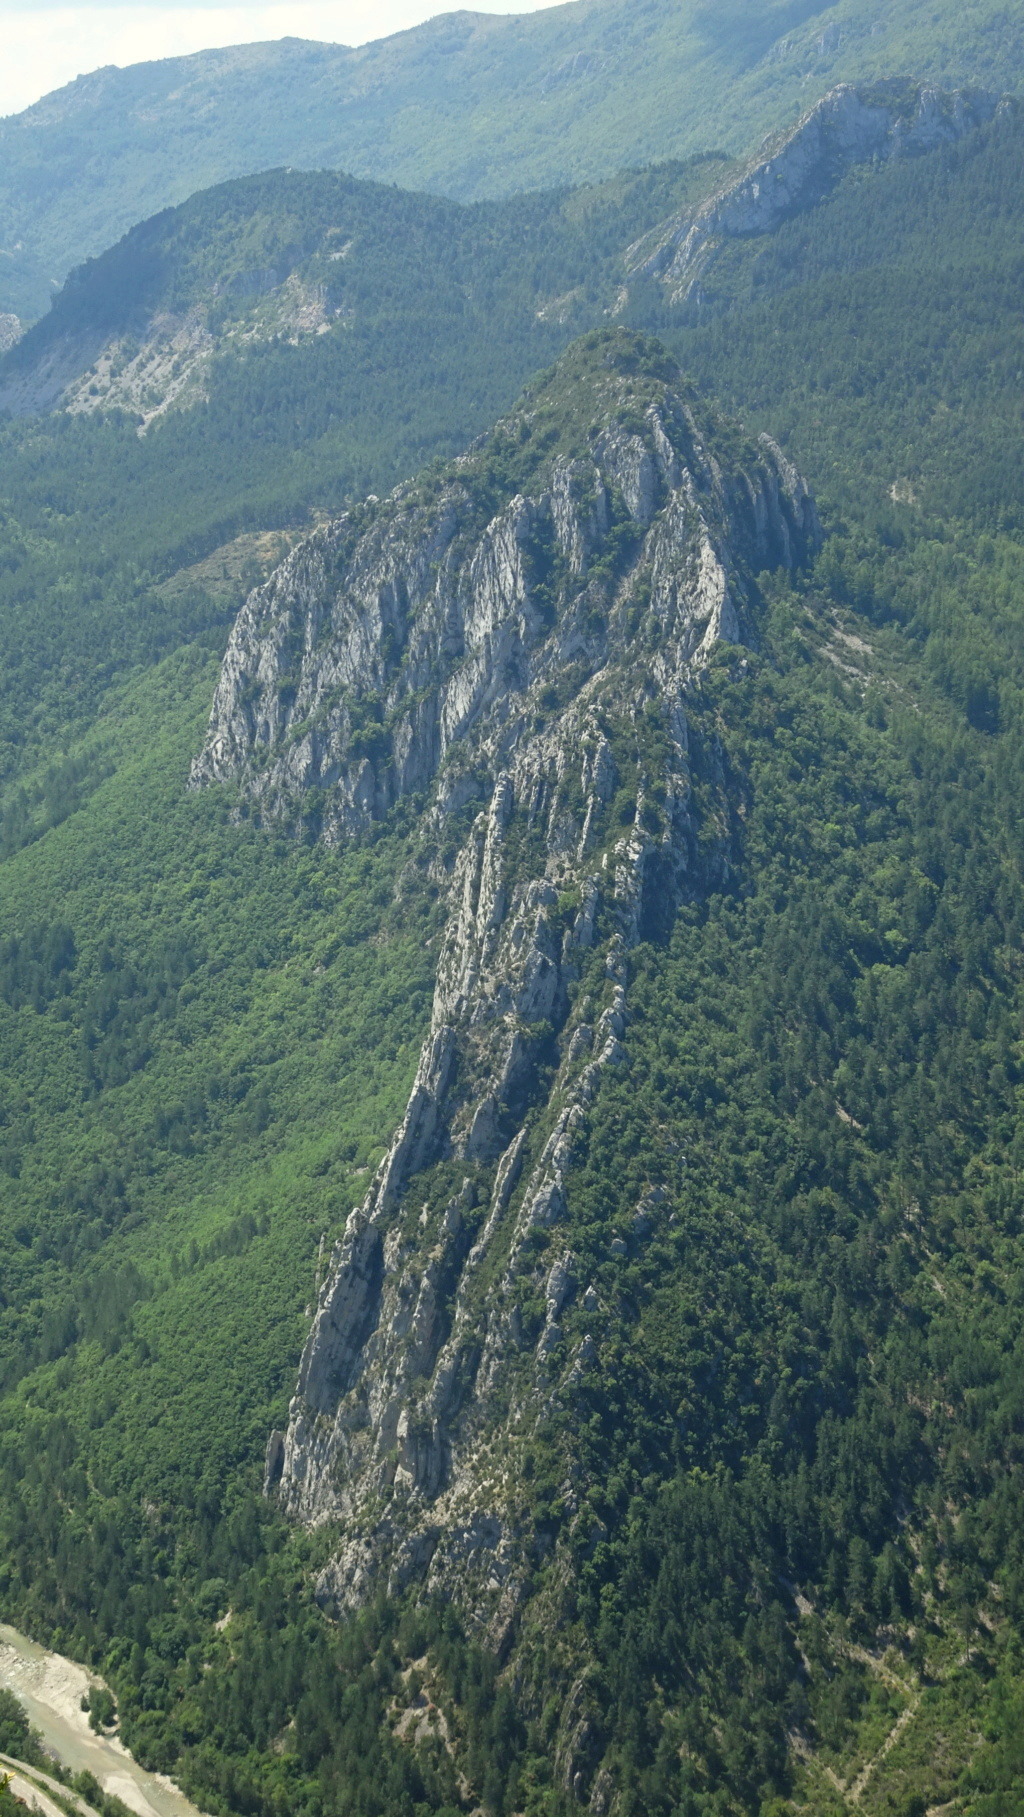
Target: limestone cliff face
{"type": "Point", "coordinates": [796, 169]}
{"type": "Point", "coordinates": [401, 642]}
{"type": "Point", "coordinates": [526, 653]}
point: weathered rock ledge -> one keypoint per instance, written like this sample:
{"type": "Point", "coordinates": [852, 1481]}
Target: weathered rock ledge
{"type": "Point", "coordinates": [519, 655]}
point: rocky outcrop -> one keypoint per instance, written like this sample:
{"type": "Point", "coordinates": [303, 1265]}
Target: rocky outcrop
{"type": "Point", "coordinates": [404, 636]}
{"type": "Point", "coordinates": [32, 385]}
{"type": "Point", "coordinates": [151, 360]}
{"type": "Point", "coordinates": [167, 366]}
{"type": "Point", "coordinates": [518, 657]}
{"type": "Point", "coordinates": [796, 169]}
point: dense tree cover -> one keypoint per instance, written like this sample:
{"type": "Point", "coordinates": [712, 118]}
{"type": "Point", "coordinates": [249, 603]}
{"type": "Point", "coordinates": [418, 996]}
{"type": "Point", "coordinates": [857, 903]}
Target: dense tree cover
{"type": "Point", "coordinates": [15, 1730]}
{"type": "Point", "coordinates": [470, 106]}
{"type": "Point", "coordinates": [824, 1333]}
{"type": "Point", "coordinates": [171, 1160]}
{"type": "Point", "coordinates": [369, 244]}
{"type": "Point", "coordinates": [897, 368]}
{"type": "Point", "coordinates": [799, 1467]}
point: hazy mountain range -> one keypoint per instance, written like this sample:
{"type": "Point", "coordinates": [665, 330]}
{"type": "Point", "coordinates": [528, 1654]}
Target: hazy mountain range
{"type": "Point", "coordinates": [468, 105]}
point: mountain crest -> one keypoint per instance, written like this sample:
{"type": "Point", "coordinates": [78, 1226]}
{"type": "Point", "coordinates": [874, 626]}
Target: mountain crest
{"type": "Point", "coordinates": [597, 521]}
{"type": "Point", "coordinates": [510, 640]}
{"type": "Point", "coordinates": [795, 169]}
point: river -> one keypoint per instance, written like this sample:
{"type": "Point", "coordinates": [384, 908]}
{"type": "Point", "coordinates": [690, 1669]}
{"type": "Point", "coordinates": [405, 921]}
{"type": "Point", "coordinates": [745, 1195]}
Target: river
{"type": "Point", "coordinates": [51, 1689]}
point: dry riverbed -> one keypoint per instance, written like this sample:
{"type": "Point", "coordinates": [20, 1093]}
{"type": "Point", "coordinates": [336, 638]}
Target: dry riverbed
{"type": "Point", "coordinates": [51, 1689]}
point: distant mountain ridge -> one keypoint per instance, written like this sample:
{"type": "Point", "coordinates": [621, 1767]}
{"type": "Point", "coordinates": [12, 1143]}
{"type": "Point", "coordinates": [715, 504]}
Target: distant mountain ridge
{"type": "Point", "coordinates": [469, 105]}
{"type": "Point", "coordinates": [291, 256]}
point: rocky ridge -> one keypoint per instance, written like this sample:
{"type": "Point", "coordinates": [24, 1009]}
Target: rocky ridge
{"type": "Point", "coordinates": [510, 643]}
{"type": "Point", "coordinates": [798, 168]}
{"type": "Point", "coordinates": [140, 328]}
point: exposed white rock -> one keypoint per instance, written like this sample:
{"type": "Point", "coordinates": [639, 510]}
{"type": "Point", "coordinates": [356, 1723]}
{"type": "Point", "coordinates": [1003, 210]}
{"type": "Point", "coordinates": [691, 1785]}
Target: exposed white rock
{"type": "Point", "coordinates": [797, 168]}
{"type": "Point", "coordinates": [163, 361]}
{"type": "Point", "coordinates": [170, 368]}
{"type": "Point", "coordinates": [396, 651]}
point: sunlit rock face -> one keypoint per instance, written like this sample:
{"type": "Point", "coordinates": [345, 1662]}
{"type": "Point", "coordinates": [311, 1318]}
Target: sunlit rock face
{"type": "Point", "coordinates": [797, 168]}
{"type": "Point", "coordinates": [510, 643]}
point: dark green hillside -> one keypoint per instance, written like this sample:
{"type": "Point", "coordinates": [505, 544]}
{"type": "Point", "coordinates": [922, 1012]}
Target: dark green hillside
{"type": "Point", "coordinates": [367, 243]}
{"type": "Point", "coordinates": [209, 1044]}
{"type": "Point", "coordinates": [801, 1524]}
{"type": "Point", "coordinates": [145, 1030]}
{"type": "Point", "coordinates": [468, 105]}
{"type": "Point", "coordinates": [885, 324]}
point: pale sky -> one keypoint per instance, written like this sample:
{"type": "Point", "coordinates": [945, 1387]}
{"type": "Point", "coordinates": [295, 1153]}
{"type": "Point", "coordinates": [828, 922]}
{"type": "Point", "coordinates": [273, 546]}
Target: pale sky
{"type": "Point", "coordinates": [43, 46]}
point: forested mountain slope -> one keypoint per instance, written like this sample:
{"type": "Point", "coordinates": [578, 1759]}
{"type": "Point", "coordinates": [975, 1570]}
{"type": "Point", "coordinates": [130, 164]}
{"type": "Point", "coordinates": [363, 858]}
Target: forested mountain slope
{"type": "Point", "coordinates": [286, 259]}
{"type": "Point", "coordinates": [760, 1518]}
{"type": "Point", "coordinates": [444, 312]}
{"type": "Point", "coordinates": [289, 258]}
{"type": "Point", "coordinates": [468, 105]}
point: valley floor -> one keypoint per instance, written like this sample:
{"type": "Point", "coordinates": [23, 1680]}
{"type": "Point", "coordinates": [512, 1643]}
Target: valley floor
{"type": "Point", "coordinates": [52, 1688]}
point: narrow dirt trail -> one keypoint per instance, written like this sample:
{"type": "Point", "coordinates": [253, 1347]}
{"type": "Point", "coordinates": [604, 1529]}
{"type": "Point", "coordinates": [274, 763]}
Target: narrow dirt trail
{"type": "Point", "coordinates": [902, 1722]}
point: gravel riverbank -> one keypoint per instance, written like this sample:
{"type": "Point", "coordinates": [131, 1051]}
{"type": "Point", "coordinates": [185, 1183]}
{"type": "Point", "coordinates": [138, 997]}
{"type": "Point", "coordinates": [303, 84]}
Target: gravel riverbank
{"type": "Point", "coordinates": [52, 1688]}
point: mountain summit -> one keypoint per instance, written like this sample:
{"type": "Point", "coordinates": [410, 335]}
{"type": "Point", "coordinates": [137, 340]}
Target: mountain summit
{"type": "Point", "coordinates": [507, 642]}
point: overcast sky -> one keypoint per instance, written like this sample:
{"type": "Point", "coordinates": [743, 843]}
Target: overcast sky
{"type": "Point", "coordinates": [43, 46]}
